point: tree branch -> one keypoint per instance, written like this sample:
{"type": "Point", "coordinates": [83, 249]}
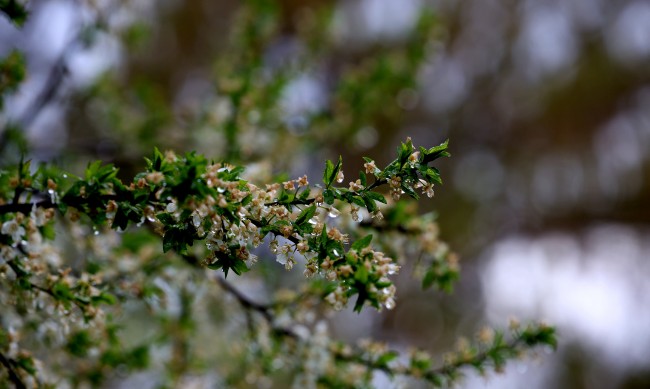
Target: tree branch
{"type": "Point", "coordinates": [251, 305]}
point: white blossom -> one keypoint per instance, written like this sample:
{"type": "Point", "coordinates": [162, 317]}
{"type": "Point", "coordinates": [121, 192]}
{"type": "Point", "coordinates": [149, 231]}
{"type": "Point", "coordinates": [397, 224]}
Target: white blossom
{"type": "Point", "coordinates": [11, 227]}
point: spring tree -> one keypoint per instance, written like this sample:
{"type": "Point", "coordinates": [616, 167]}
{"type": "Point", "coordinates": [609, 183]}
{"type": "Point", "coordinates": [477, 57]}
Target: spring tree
{"type": "Point", "coordinates": [104, 275]}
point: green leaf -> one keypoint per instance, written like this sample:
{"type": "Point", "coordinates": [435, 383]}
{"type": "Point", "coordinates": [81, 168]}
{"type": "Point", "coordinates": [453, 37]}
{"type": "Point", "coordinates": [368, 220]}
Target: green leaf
{"type": "Point", "coordinates": [361, 274]}
{"type": "Point", "coordinates": [15, 11]}
{"type": "Point", "coordinates": [403, 154]}
{"type": "Point", "coordinates": [92, 169]}
{"type": "Point", "coordinates": [27, 363]}
{"type": "Point", "coordinates": [331, 171]}
{"type": "Point", "coordinates": [62, 291]}
{"type": "Point", "coordinates": [428, 279]}
{"type": "Point", "coordinates": [544, 335]}
{"type": "Point", "coordinates": [328, 196]}
{"type": "Point", "coordinates": [121, 219]}
{"type": "Point", "coordinates": [433, 174]}
{"type": "Point", "coordinates": [306, 214]}
{"type": "Point", "coordinates": [363, 178]}
{"type": "Point", "coordinates": [138, 358]}
{"type": "Point", "coordinates": [376, 196]}
{"type": "Point", "coordinates": [358, 200]}
{"type": "Point", "coordinates": [158, 159]}
{"type": "Point", "coordinates": [327, 174]}
{"type": "Point", "coordinates": [48, 231]}
{"type": "Point", "coordinates": [304, 194]}
{"type": "Point", "coordinates": [386, 358]}
{"type": "Point", "coordinates": [436, 152]}
{"type": "Point", "coordinates": [363, 296]}
{"type": "Point", "coordinates": [12, 72]}
{"type": "Point", "coordinates": [246, 200]}
{"type": "Point", "coordinates": [226, 262]}
{"type": "Point", "coordinates": [362, 243]}
{"type": "Point", "coordinates": [370, 204]}
{"type": "Point", "coordinates": [409, 191]}
{"type": "Point", "coordinates": [103, 298]}
{"type": "Point", "coordinates": [170, 240]}
{"type": "Point", "coordinates": [79, 343]}
{"type": "Point", "coordinates": [166, 218]}
{"type": "Point", "coordinates": [239, 267]}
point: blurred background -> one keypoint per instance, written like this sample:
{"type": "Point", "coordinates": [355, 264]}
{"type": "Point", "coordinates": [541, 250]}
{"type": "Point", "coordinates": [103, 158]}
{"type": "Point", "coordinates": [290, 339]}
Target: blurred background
{"type": "Point", "coordinates": [546, 105]}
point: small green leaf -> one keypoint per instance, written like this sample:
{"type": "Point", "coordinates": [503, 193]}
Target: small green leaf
{"type": "Point", "coordinates": [362, 243]}
{"type": "Point", "coordinates": [386, 358]}
{"type": "Point", "coordinates": [79, 343]}
{"type": "Point", "coordinates": [361, 274]}
{"type": "Point", "coordinates": [333, 172]}
{"type": "Point", "coordinates": [121, 219]}
{"type": "Point", "coordinates": [62, 291]}
{"type": "Point", "coordinates": [361, 299]}
{"type": "Point", "coordinates": [376, 196]}
{"type": "Point", "coordinates": [226, 262]}
{"type": "Point", "coordinates": [433, 174]}
{"type": "Point", "coordinates": [27, 363]}
{"type": "Point", "coordinates": [370, 204]}
{"type": "Point", "coordinates": [166, 218]}
{"type": "Point", "coordinates": [170, 239]}
{"type": "Point", "coordinates": [409, 191]}
{"type": "Point", "coordinates": [436, 152]}
{"type": "Point", "coordinates": [103, 298]}
{"type": "Point", "coordinates": [306, 214]}
{"type": "Point", "coordinates": [358, 200]}
{"type": "Point", "coordinates": [239, 267]}
{"type": "Point", "coordinates": [15, 11]}
{"type": "Point", "coordinates": [329, 168]}
{"type": "Point", "coordinates": [304, 194]}
{"type": "Point", "coordinates": [328, 196]}
{"type": "Point", "coordinates": [246, 200]}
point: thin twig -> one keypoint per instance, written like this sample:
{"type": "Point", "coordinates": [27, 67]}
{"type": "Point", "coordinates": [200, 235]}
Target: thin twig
{"type": "Point", "coordinates": [249, 305]}
{"type": "Point", "coordinates": [25, 208]}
